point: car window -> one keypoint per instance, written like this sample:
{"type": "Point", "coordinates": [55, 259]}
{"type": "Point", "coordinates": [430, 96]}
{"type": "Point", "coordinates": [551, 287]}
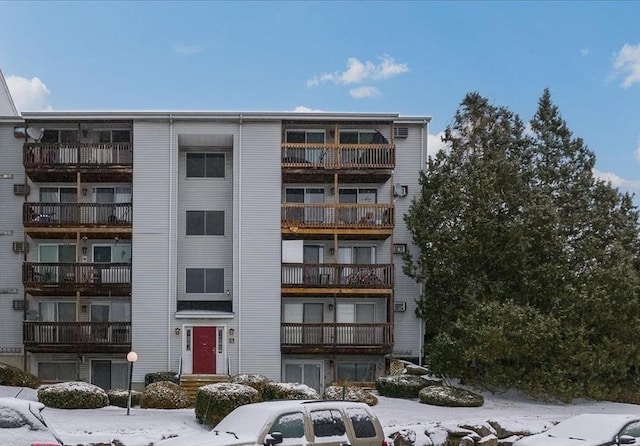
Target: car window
{"type": "Point", "coordinates": [291, 426]}
{"type": "Point", "coordinates": [632, 429]}
{"type": "Point", "coordinates": [328, 423]}
{"type": "Point", "coordinates": [362, 424]}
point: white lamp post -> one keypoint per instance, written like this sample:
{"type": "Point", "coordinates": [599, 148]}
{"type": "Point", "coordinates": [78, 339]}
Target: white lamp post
{"type": "Point", "coordinates": [131, 357]}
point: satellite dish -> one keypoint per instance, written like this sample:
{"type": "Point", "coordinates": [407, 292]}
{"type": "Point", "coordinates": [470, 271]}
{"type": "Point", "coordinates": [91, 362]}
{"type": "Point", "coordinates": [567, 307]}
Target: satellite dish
{"type": "Point", "coordinates": [399, 190]}
{"type": "Point", "coordinates": [35, 133]}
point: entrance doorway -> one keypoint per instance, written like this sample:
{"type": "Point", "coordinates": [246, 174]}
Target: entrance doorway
{"type": "Point", "coordinates": [204, 350]}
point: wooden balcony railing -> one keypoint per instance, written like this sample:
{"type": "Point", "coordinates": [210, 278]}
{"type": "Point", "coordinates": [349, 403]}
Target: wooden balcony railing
{"type": "Point", "coordinates": [72, 274]}
{"type": "Point", "coordinates": [47, 155]}
{"type": "Point", "coordinates": [76, 334]}
{"type": "Point", "coordinates": [46, 214]}
{"type": "Point", "coordinates": [337, 335]}
{"type": "Point", "coordinates": [338, 215]}
{"type": "Point", "coordinates": [332, 275]}
{"type": "Point", "coordinates": [338, 156]}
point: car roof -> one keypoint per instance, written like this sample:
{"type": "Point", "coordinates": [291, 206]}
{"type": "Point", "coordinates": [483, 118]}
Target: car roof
{"type": "Point", "coordinates": [263, 412]}
{"type": "Point", "coordinates": [594, 426]}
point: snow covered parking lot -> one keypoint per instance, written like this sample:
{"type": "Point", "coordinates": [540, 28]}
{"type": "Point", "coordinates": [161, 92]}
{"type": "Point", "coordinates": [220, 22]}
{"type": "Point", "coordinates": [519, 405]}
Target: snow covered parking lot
{"type": "Point", "coordinates": [111, 425]}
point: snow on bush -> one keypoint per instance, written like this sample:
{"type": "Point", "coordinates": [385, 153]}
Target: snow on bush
{"type": "Point", "coordinates": [450, 397]}
{"type": "Point", "coordinates": [73, 395]}
{"type": "Point", "coordinates": [13, 376]}
{"type": "Point", "coordinates": [350, 393]}
{"type": "Point", "coordinates": [216, 401]}
{"type": "Point", "coordinates": [402, 386]}
{"type": "Point", "coordinates": [289, 391]}
{"type": "Point", "coordinates": [258, 382]}
{"type": "Point", "coordinates": [164, 395]}
{"type": "Point", "coordinates": [120, 398]}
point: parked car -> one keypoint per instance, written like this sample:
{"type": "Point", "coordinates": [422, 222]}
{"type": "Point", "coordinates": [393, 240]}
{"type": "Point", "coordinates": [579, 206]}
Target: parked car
{"type": "Point", "coordinates": [22, 424]}
{"type": "Point", "coordinates": [292, 422]}
{"type": "Point", "coordinates": [589, 430]}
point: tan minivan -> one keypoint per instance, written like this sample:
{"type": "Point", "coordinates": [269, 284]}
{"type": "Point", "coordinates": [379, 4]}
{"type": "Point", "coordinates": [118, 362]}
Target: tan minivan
{"type": "Point", "coordinates": [293, 422]}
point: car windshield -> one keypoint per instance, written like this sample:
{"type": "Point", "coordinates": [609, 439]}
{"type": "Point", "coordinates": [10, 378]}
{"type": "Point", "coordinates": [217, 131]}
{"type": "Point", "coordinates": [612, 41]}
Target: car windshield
{"type": "Point", "coordinates": [245, 421]}
{"type": "Point", "coordinates": [588, 427]}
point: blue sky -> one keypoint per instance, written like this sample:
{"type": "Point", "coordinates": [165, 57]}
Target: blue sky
{"type": "Point", "coordinates": [412, 58]}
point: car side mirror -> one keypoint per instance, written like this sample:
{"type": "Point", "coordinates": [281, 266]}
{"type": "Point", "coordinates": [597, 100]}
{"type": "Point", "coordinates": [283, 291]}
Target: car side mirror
{"type": "Point", "coordinates": [273, 438]}
{"type": "Point", "coordinates": [626, 439]}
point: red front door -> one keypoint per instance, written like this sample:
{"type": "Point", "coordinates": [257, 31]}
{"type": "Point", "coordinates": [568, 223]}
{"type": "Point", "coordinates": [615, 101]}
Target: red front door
{"type": "Point", "coordinates": [204, 350]}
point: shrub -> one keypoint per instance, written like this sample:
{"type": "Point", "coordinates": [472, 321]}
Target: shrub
{"type": "Point", "coordinates": [289, 391]}
{"type": "Point", "coordinates": [216, 401]}
{"type": "Point", "coordinates": [350, 393]}
{"type": "Point", "coordinates": [151, 378]}
{"type": "Point", "coordinates": [258, 382]}
{"type": "Point", "coordinates": [13, 376]}
{"type": "Point", "coordinates": [164, 395]}
{"type": "Point", "coordinates": [120, 398]}
{"type": "Point", "coordinates": [73, 395]}
{"type": "Point", "coordinates": [450, 397]}
{"type": "Point", "coordinates": [402, 386]}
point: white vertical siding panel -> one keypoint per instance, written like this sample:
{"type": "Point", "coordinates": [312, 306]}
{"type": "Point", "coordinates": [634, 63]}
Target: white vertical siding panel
{"type": "Point", "coordinates": [259, 214]}
{"type": "Point", "coordinates": [150, 302]}
{"type": "Point", "coordinates": [407, 333]}
{"type": "Point", "coordinates": [10, 262]}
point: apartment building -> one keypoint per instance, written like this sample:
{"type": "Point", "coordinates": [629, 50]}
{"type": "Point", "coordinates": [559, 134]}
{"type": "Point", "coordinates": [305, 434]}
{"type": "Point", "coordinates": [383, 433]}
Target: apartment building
{"type": "Point", "coordinates": [208, 243]}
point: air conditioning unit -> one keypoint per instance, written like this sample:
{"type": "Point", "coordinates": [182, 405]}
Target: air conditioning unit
{"type": "Point", "coordinates": [19, 247]}
{"type": "Point", "coordinates": [18, 305]}
{"type": "Point", "coordinates": [399, 248]}
{"type": "Point", "coordinates": [21, 189]}
{"type": "Point", "coordinates": [401, 132]}
{"type": "Point", "coordinates": [399, 307]}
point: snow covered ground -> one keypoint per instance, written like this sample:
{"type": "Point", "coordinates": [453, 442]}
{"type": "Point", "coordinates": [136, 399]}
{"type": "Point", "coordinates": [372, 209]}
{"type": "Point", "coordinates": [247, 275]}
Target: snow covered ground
{"type": "Point", "coordinates": [146, 426]}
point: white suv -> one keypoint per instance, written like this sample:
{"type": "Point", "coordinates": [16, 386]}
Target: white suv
{"type": "Point", "coordinates": [293, 422]}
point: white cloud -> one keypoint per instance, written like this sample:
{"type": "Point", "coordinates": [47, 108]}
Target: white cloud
{"type": "Point", "coordinates": [186, 49]}
{"type": "Point", "coordinates": [584, 52]}
{"type": "Point", "coordinates": [364, 92]}
{"type": "Point", "coordinates": [28, 94]}
{"type": "Point", "coordinates": [358, 72]}
{"type": "Point", "coordinates": [617, 181]}
{"type": "Point", "coordinates": [627, 64]}
{"type": "Point", "coordinates": [304, 109]}
{"type": "Point", "coordinates": [638, 152]}
{"type": "Point", "coordinates": [435, 144]}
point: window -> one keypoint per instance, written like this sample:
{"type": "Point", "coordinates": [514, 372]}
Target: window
{"type": "Point", "coordinates": [205, 280]}
{"type": "Point", "coordinates": [205, 223]}
{"type": "Point", "coordinates": [105, 136]}
{"type": "Point", "coordinates": [358, 136]}
{"type": "Point", "coordinates": [305, 136]}
{"type": "Point", "coordinates": [632, 429]}
{"type": "Point", "coordinates": [109, 374]}
{"type": "Point", "coordinates": [362, 424]}
{"type": "Point", "coordinates": [63, 136]}
{"type": "Point", "coordinates": [328, 423]}
{"type": "Point", "coordinates": [205, 165]}
{"type": "Point", "coordinates": [57, 311]}
{"type": "Point", "coordinates": [356, 371]}
{"type": "Point", "coordinates": [57, 371]}
{"type": "Point", "coordinates": [290, 425]}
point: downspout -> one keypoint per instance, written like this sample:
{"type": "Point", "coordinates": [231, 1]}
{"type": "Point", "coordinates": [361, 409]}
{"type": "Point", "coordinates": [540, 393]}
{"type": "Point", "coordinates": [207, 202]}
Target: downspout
{"type": "Point", "coordinates": [170, 247]}
{"type": "Point", "coordinates": [239, 344]}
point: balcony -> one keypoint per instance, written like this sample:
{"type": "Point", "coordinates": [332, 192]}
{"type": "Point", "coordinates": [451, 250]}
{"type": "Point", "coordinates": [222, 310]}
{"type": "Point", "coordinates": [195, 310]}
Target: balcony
{"type": "Point", "coordinates": [355, 220]}
{"type": "Point", "coordinates": [63, 278]}
{"type": "Point", "coordinates": [96, 219]}
{"type": "Point", "coordinates": [336, 338]}
{"type": "Point", "coordinates": [314, 278]}
{"type": "Point", "coordinates": [77, 337]}
{"type": "Point", "coordinates": [364, 162]}
{"type": "Point", "coordinates": [99, 161]}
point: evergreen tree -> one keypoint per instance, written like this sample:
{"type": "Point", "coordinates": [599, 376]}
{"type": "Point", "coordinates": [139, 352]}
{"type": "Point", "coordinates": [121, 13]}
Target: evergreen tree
{"type": "Point", "coordinates": [530, 265]}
